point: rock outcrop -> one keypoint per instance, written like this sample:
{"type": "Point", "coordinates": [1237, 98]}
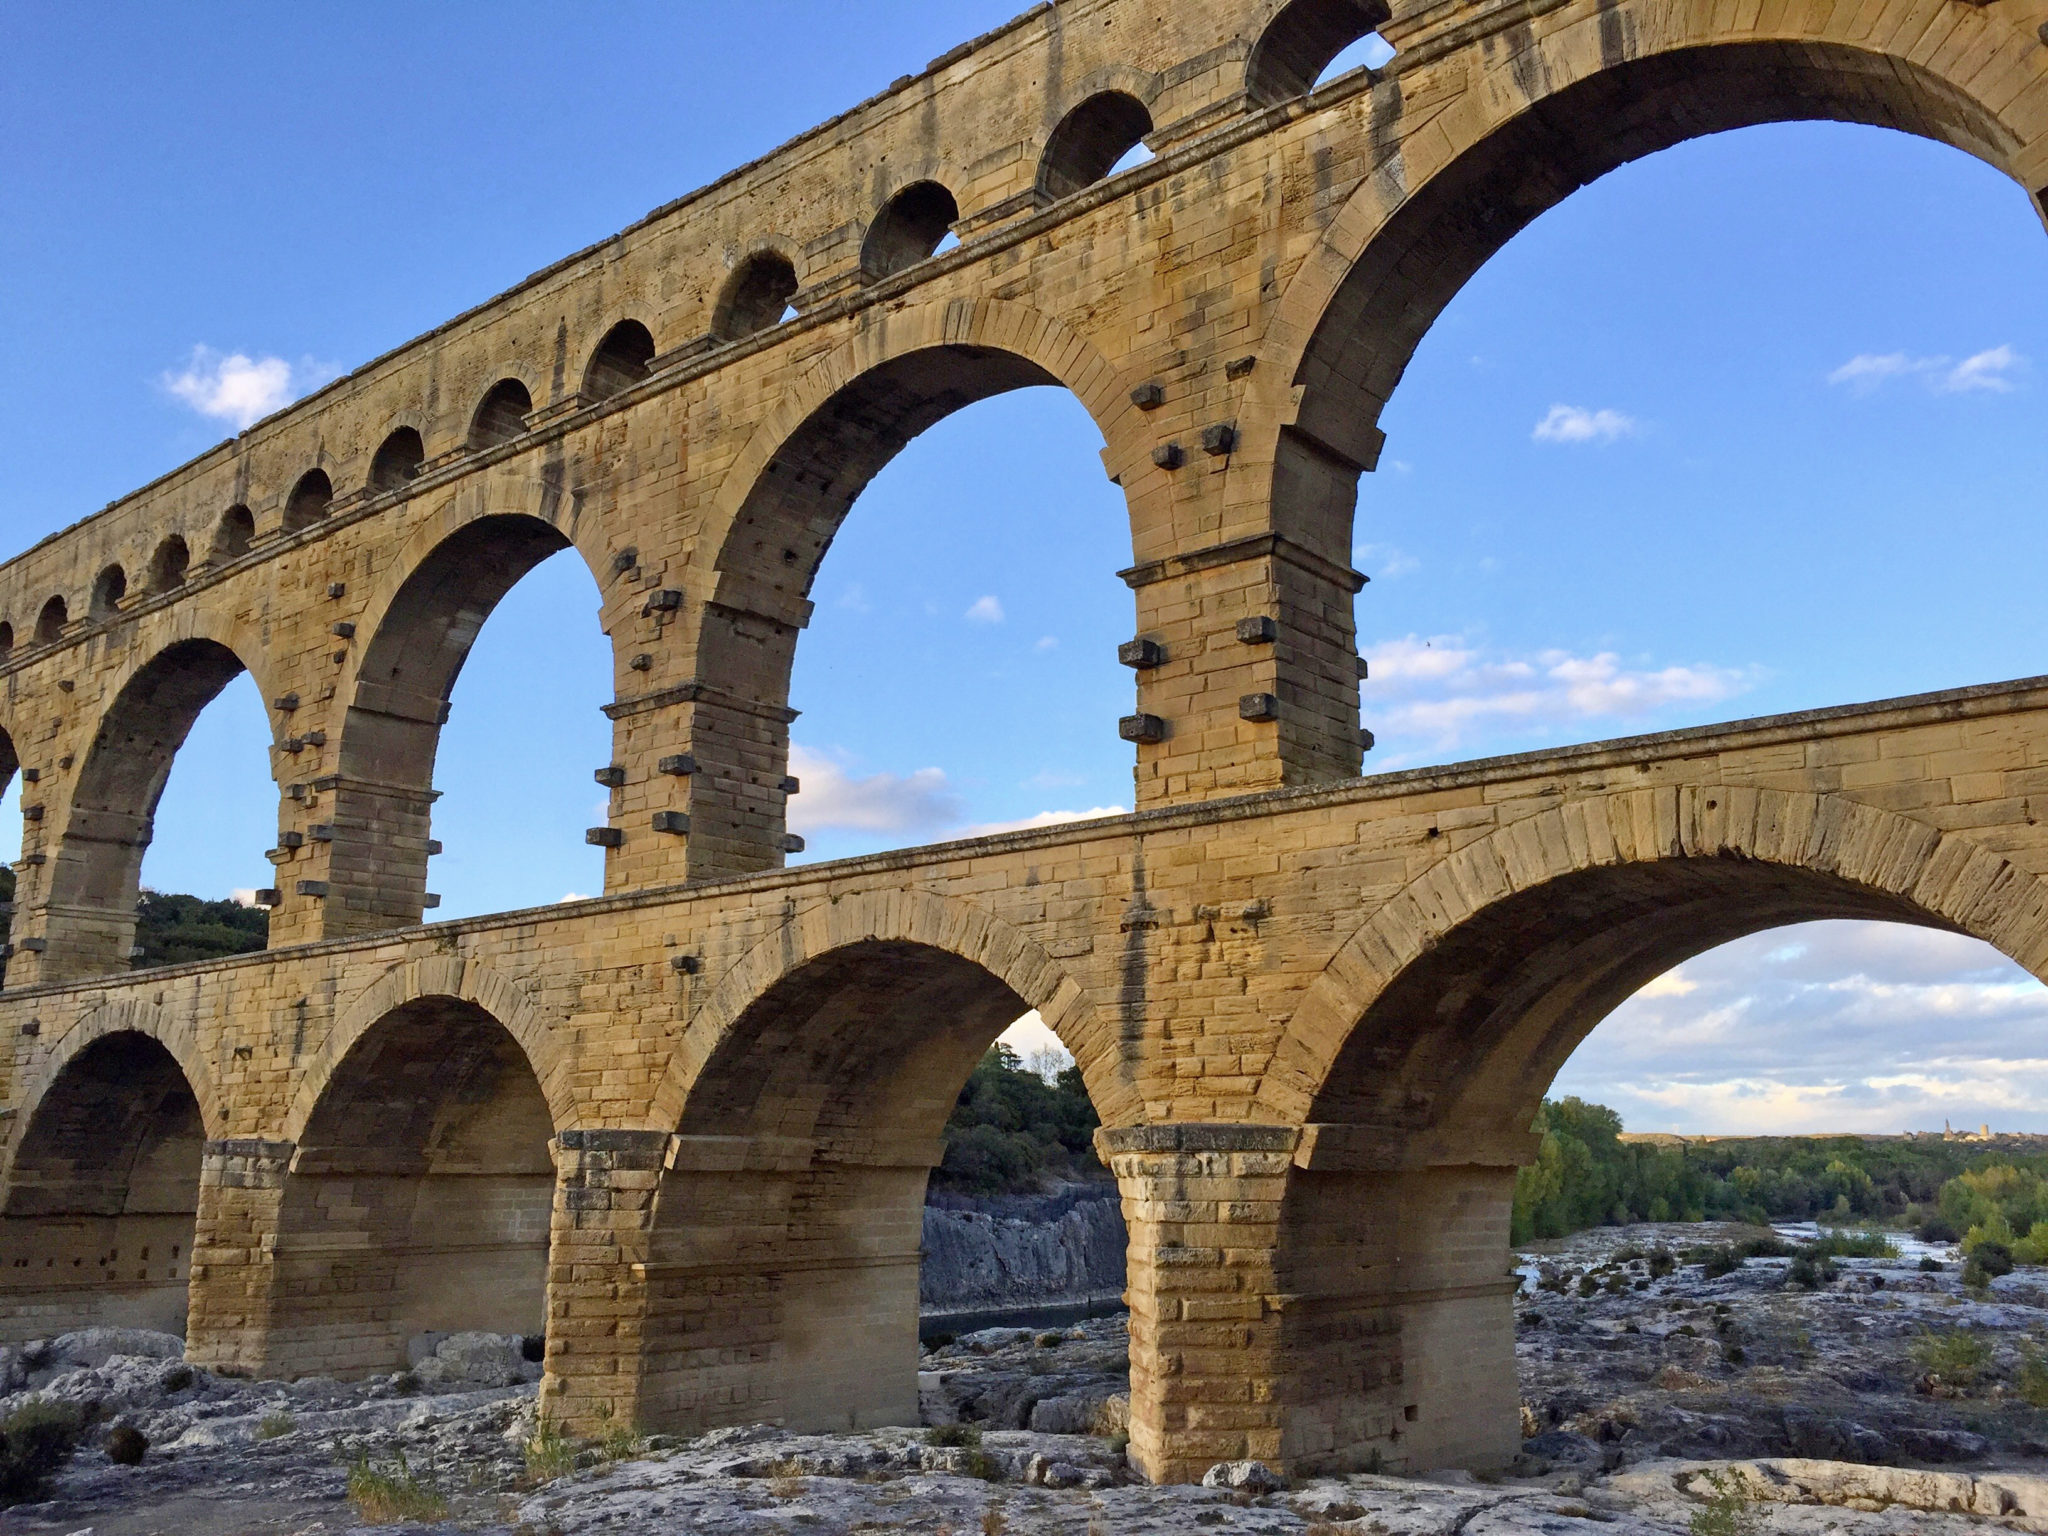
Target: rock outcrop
{"type": "Point", "coordinates": [1062, 1248]}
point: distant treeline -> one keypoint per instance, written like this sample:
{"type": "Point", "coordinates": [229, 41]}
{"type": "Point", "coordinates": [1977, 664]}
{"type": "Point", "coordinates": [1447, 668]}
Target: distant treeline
{"type": "Point", "coordinates": [1586, 1176]}
{"type": "Point", "coordinates": [170, 930]}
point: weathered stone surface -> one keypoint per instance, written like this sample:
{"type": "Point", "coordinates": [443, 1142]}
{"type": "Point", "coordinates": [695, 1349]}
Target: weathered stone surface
{"type": "Point", "coordinates": [1281, 982]}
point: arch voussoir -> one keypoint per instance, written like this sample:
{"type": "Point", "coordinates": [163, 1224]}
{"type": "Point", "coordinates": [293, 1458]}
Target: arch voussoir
{"type": "Point", "coordinates": [1928, 875]}
{"type": "Point", "coordinates": [175, 1030]}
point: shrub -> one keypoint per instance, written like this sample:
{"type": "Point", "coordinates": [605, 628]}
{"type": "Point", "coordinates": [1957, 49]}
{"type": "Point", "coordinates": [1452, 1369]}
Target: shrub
{"type": "Point", "coordinates": [1588, 1286]}
{"type": "Point", "coordinates": [1662, 1263]}
{"type": "Point", "coordinates": [952, 1434]}
{"type": "Point", "coordinates": [1930, 1265]}
{"type": "Point", "coordinates": [34, 1442]}
{"type": "Point", "coordinates": [2032, 1377]}
{"type": "Point", "coordinates": [1718, 1261]}
{"type": "Point", "coordinates": [1728, 1510]}
{"type": "Point", "coordinates": [549, 1453]}
{"type": "Point", "coordinates": [126, 1445]}
{"type": "Point", "coordinates": [275, 1426]}
{"type": "Point", "coordinates": [1810, 1272]}
{"type": "Point", "coordinates": [389, 1495]}
{"type": "Point", "coordinates": [1994, 1258]}
{"type": "Point", "coordinates": [1956, 1355]}
{"type": "Point", "coordinates": [1853, 1245]}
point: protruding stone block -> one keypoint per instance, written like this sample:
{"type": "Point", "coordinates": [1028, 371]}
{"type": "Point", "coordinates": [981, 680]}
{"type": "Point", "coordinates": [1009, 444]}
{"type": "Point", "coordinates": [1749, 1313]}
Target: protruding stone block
{"type": "Point", "coordinates": [1144, 729]}
{"type": "Point", "coordinates": [1141, 655]}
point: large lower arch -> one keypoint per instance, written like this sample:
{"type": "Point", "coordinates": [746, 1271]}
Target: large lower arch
{"type": "Point", "coordinates": [444, 587]}
{"type": "Point", "coordinates": [418, 1197]}
{"type": "Point", "coordinates": [784, 1246]}
{"type": "Point", "coordinates": [783, 501]}
{"type": "Point", "coordinates": [1412, 1071]}
{"type": "Point", "coordinates": [87, 916]}
{"type": "Point", "coordinates": [101, 1190]}
{"type": "Point", "coordinates": [1563, 106]}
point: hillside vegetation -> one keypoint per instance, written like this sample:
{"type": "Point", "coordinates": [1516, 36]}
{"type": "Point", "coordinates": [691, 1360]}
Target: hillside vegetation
{"type": "Point", "coordinates": [170, 930]}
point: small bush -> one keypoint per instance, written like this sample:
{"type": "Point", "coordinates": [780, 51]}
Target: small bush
{"type": "Point", "coordinates": [34, 1443]}
{"type": "Point", "coordinates": [978, 1463]}
{"type": "Point", "coordinates": [1956, 1355]}
{"type": "Point", "coordinates": [275, 1426]}
{"type": "Point", "coordinates": [389, 1495]}
{"type": "Point", "coordinates": [1994, 1259]}
{"type": "Point", "coordinates": [1937, 1231]}
{"type": "Point", "coordinates": [1930, 1265]}
{"type": "Point", "coordinates": [1975, 1276]}
{"type": "Point", "coordinates": [1718, 1261]}
{"type": "Point", "coordinates": [126, 1445]}
{"type": "Point", "coordinates": [1588, 1286]}
{"type": "Point", "coordinates": [2031, 1381]}
{"type": "Point", "coordinates": [1051, 1340]}
{"type": "Point", "coordinates": [1728, 1510]}
{"type": "Point", "coordinates": [952, 1434]}
{"type": "Point", "coordinates": [618, 1442]}
{"type": "Point", "coordinates": [1852, 1245]}
{"type": "Point", "coordinates": [1810, 1272]}
{"type": "Point", "coordinates": [549, 1453]}
{"type": "Point", "coordinates": [1662, 1263]}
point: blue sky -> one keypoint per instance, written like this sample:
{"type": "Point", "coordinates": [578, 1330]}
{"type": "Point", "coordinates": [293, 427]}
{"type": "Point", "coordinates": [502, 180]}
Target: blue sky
{"type": "Point", "coordinates": [1752, 425]}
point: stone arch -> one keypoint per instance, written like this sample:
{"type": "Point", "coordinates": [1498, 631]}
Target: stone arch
{"type": "Point", "coordinates": [620, 360]}
{"type": "Point", "coordinates": [756, 293]}
{"type": "Point", "coordinates": [1301, 40]}
{"type": "Point", "coordinates": [1550, 116]}
{"type": "Point", "coordinates": [398, 460]}
{"type": "Point", "coordinates": [430, 604]}
{"type": "Point", "coordinates": [233, 535]}
{"type": "Point", "coordinates": [1090, 140]}
{"type": "Point", "coordinates": [454, 977]}
{"type": "Point", "coordinates": [52, 621]}
{"type": "Point", "coordinates": [311, 499]}
{"type": "Point", "coordinates": [908, 228]}
{"type": "Point", "coordinates": [100, 1194]}
{"type": "Point", "coordinates": [793, 482]}
{"type": "Point", "coordinates": [907, 917]}
{"type": "Point", "coordinates": [177, 1033]}
{"type": "Point", "coordinates": [500, 416]}
{"type": "Point", "coordinates": [1612, 872]}
{"type": "Point", "coordinates": [421, 1184]}
{"type": "Point", "coordinates": [109, 820]}
{"type": "Point", "coordinates": [169, 565]}
{"type": "Point", "coordinates": [810, 1095]}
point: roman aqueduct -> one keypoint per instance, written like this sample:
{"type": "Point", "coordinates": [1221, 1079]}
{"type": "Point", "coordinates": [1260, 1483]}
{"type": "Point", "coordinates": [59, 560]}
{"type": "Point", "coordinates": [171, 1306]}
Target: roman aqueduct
{"type": "Point", "coordinates": [688, 1124]}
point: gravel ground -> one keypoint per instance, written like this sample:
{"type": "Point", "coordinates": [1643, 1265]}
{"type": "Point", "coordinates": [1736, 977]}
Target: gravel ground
{"type": "Point", "coordinates": [1649, 1404]}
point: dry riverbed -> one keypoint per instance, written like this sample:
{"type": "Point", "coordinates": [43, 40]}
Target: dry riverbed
{"type": "Point", "coordinates": [1884, 1400]}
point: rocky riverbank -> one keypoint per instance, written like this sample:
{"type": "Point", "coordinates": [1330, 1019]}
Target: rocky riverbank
{"type": "Point", "coordinates": [1883, 1399]}
{"type": "Point", "coordinates": [987, 1257]}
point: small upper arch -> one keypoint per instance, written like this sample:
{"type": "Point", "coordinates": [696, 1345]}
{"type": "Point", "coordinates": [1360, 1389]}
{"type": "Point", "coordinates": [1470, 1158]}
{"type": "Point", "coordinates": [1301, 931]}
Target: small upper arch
{"type": "Point", "coordinates": [398, 461]}
{"type": "Point", "coordinates": [309, 501]}
{"type": "Point", "coordinates": [621, 360]}
{"type": "Point", "coordinates": [1301, 40]}
{"type": "Point", "coordinates": [1090, 140]}
{"type": "Point", "coordinates": [908, 230]}
{"type": "Point", "coordinates": [108, 588]}
{"type": "Point", "coordinates": [756, 296]}
{"type": "Point", "coordinates": [168, 566]}
{"type": "Point", "coordinates": [6, 640]}
{"type": "Point", "coordinates": [234, 534]}
{"type": "Point", "coordinates": [500, 415]}
{"type": "Point", "coordinates": [51, 621]}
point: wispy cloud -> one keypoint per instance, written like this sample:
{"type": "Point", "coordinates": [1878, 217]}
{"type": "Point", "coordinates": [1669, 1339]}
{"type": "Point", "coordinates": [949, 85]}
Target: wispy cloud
{"type": "Point", "coordinates": [1383, 562]}
{"type": "Point", "coordinates": [1847, 1026]}
{"type": "Point", "coordinates": [1991, 371]}
{"type": "Point", "coordinates": [922, 805]}
{"type": "Point", "coordinates": [1574, 424]}
{"type": "Point", "coordinates": [1435, 694]}
{"type": "Point", "coordinates": [834, 799]}
{"type": "Point", "coordinates": [986, 610]}
{"type": "Point", "coordinates": [239, 389]}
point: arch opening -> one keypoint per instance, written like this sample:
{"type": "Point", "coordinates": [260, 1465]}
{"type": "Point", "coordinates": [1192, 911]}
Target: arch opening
{"type": "Point", "coordinates": [51, 622]}
{"type": "Point", "coordinates": [108, 588]}
{"type": "Point", "coordinates": [6, 640]}
{"type": "Point", "coordinates": [237, 531]}
{"type": "Point", "coordinates": [102, 1194]}
{"type": "Point", "coordinates": [95, 874]}
{"type": "Point", "coordinates": [1422, 1118]}
{"type": "Point", "coordinates": [910, 228]}
{"type": "Point", "coordinates": [168, 566]}
{"type": "Point", "coordinates": [398, 461]}
{"type": "Point", "coordinates": [973, 594]}
{"type": "Point", "coordinates": [1091, 141]}
{"type": "Point", "coordinates": [620, 361]}
{"type": "Point", "coordinates": [1441, 233]}
{"type": "Point", "coordinates": [500, 415]}
{"type": "Point", "coordinates": [393, 730]}
{"type": "Point", "coordinates": [848, 1068]}
{"type": "Point", "coordinates": [419, 1198]}
{"type": "Point", "coordinates": [309, 501]}
{"type": "Point", "coordinates": [756, 297]}
{"type": "Point", "coordinates": [1302, 41]}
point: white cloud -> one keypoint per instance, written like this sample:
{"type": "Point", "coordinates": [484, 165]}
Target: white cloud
{"type": "Point", "coordinates": [1435, 694]}
{"type": "Point", "coordinates": [574, 896]}
{"type": "Point", "coordinates": [1851, 1026]}
{"type": "Point", "coordinates": [1048, 642]}
{"type": "Point", "coordinates": [239, 389]}
{"type": "Point", "coordinates": [1383, 562]}
{"type": "Point", "coordinates": [1573, 424]}
{"type": "Point", "coordinates": [1042, 819]}
{"type": "Point", "coordinates": [1037, 1045]}
{"type": "Point", "coordinates": [986, 610]}
{"type": "Point", "coordinates": [243, 896]}
{"type": "Point", "coordinates": [832, 798]}
{"type": "Point", "coordinates": [1991, 370]}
